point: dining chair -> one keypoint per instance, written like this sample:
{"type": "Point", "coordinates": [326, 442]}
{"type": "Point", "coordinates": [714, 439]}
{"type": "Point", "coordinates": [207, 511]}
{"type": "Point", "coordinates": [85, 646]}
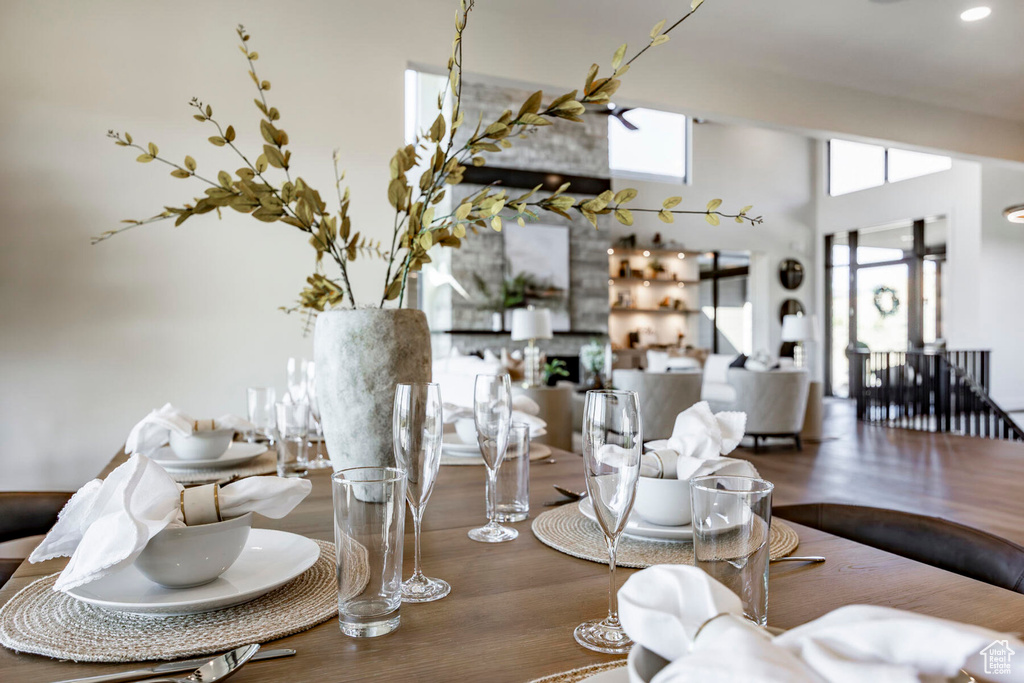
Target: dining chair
{"type": "Point", "coordinates": [26, 513]}
{"type": "Point", "coordinates": [938, 542]}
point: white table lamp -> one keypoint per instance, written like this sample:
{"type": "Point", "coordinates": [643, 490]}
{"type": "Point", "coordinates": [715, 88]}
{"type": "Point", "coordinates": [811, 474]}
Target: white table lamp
{"type": "Point", "coordinates": [799, 329]}
{"type": "Point", "coordinates": [531, 324]}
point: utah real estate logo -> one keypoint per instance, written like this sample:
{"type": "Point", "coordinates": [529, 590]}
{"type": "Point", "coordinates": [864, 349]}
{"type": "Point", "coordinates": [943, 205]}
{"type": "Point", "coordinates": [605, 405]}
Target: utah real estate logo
{"type": "Point", "coordinates": [997, 657]}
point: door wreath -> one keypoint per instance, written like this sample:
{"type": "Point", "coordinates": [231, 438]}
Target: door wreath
{"type": "Point", "coordinates": [886, 301]}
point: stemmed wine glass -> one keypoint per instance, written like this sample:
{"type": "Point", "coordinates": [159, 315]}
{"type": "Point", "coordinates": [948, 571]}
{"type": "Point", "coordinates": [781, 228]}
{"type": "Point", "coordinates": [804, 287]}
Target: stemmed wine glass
{"type": "Point", "coordinates": [316, 431]}
{"type": "Point", "coordinates": [297, 379]}
{"type": "Point", "coordinates": [612, 446]}
{"type": "Point", "coordinates": [417, 427]}
{"type": "Point", "coordinates": [492, 413]}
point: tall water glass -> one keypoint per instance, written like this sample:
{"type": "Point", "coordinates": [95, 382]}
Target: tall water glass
{"type": "Point", "coordinates": [513, 490]}
{"type": "Point", "coordinates": [369, 525]}
{"type": "Point", "coordinates": [732, 518]}
{"type": "Point", "coordinates": [418, 426]}
{"type": "Point", "coordinates": [260, 404]}
{"type": "Point", "coordinates": [492, 414]}
{"type": "Point", "coordinates": [612, 446]}
{"type": "Point", "coordinates": [292, 435]}
{"type": "Point", "coordinates": [316, 432]}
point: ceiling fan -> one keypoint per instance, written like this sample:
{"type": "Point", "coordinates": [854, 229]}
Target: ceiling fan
{"type": "Point", "coordinates": [615, 112]}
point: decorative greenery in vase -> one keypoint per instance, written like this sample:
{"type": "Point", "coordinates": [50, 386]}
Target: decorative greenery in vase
{"type": "Point", "coordinates": [416, 228]}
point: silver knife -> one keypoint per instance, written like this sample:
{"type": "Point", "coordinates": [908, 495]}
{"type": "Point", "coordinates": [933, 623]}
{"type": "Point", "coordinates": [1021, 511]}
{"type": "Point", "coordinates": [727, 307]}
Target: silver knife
{"type": "Point", "coordinates": [171, 668]}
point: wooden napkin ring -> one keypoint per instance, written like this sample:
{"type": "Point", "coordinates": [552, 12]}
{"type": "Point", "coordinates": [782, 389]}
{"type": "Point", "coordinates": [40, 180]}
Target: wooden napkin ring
{"type": "Point", "coordinates": [201, 504]}
{"type": "Point", "coordinates": [203, 425]}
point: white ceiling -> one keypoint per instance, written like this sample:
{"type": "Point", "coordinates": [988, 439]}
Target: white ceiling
{"type": "Point", "coordinates": [914, 49]}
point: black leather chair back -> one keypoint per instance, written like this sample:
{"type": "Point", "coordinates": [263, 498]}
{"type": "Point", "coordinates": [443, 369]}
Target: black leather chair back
{"type": "Point", "coordinates": [930, 540]}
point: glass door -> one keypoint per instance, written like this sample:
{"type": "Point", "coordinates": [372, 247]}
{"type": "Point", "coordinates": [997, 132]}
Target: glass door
{"type": "Point", "coordinates": [882, 303]}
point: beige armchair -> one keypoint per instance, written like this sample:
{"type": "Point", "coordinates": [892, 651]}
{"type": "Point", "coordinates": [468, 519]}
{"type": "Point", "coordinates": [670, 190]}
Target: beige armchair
{"type": "Point", "coordinates": [774, 401]}
{"type": "Point", "coordinates": [663, 395]}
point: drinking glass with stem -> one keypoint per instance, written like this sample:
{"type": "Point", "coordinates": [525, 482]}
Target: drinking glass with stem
{"type": "Point", "coordinates": [316, 428]}
{"type": "Point", "coordinates": [418, 426]}
{"type": "Point", "coordinates": [492, 414]}
{"type": "Point", "coordinates": [296, 387]}
{"type": "Point", "coordinates": [612, 448]}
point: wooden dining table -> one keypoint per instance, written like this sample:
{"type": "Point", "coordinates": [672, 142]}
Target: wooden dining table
{"type": "Point", "coordinates": [513, 606]}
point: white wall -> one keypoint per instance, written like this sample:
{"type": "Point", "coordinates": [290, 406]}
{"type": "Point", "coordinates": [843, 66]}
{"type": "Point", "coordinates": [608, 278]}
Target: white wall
{"type": "Point", "coordinates": [93, 337]}
{"type": "Point", "coordinates": [1002, 282]}
{"type": "Point", "coordinates": [984, 279]}
{"type": "Point", "coordinates": [743, 165]}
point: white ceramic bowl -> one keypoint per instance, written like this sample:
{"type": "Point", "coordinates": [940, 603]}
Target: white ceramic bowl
{"type": "Point", "coordinates": [643, 665]}
{"type": "Point", "coordinates": [201, 445]}
{"type": "Point", "coordinates": [665, 502]}
{"type": "Point", "coordinates": [465, 427]}
{"type": "Point", "coordinates": [193, 555]}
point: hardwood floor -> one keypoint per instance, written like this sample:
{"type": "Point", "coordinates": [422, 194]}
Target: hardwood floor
{"type": "Point", "coordinates": [977, 482]}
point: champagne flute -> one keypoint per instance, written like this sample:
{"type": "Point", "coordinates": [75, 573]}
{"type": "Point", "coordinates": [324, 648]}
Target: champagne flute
{"type": "Point", "coordinates": [316, 428]}
{"type": "Point", "coordinates": [612, 445]}
{"type": "Point", "coordinates": [492, 413]}
{"type": "Point", "coordinates": [297, 379]}
{"type": "Point", "coordinates": [417, 428]}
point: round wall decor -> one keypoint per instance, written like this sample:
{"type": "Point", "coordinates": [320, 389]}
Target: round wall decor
{"type": "Point", "coordinates": [790, 307]}
{"type": "Point", "coordinates": [791, 273]}
{"type": "Point", "coordinates": [886, 301]}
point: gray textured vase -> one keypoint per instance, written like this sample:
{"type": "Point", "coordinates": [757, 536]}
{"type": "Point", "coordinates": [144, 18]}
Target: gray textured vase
{"type": "Point", "coordinates": [360, 356]}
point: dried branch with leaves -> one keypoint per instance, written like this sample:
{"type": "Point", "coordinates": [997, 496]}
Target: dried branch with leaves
{"type": "Point", "coordinates": [416, 229]}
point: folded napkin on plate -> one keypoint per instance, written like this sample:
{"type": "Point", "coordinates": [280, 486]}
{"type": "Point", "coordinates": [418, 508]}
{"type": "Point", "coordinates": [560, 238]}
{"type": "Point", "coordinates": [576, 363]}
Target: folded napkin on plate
{"type": "Point", "coordinates": [731, 648]}
{"type": "Point", "coordinates": [868, 643]}
{"type": "Point", "coordinates": [667, 464]}
{"type": "Point", "coordinates": [107, 523]}
{"type": "Point", "coordinates": [524, 409]}
{"type": "Point", "coordinates": [663, 607]}
{"type": "Point", "coordinates": [699, 433]}
{"type": "Point", "coordinates": [153, 431]}
{"type": "Point", "coordinates": [671, 609]}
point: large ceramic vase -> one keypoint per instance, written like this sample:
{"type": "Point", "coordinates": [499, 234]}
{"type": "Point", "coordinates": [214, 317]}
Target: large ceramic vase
{"type": "Point", "coordinates": [360, 356]}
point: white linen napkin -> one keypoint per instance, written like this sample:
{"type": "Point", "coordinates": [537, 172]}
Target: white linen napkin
{"type": "Point", "coordinates": [524, 409]}
{"type": "Point", "coordinates": [699, 433]}
{"type": "Point", "coordinates": [869, 643]}
{"type": "Point", "coordinates": [107, 523]}
{"type": "Point", "coordinates": [153, 431]}
{"type": "Point", "coordinates": [663, 607]}
{"type": "Point", "coordinates": [667, 464]}
{"type": "Point", "coordinates": [669, 610]}
{"type": "Point", "coordinates": [730, 648]}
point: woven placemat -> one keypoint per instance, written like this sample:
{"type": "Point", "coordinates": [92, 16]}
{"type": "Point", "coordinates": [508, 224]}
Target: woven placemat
{"type": "Point", "coordinates": [46, 622]}
{"type": "Point", "coordinates": [568, 530]}
{"type": "Point", "coordinates": [264, 464]}
{"type": "Point", "coordinates": [580, 674]}
{"type": "Point", "coordinates": [537, 452]}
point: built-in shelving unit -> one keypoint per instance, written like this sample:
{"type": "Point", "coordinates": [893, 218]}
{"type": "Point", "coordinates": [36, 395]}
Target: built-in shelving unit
{"type": "Point", "coordinates": [653, 291]}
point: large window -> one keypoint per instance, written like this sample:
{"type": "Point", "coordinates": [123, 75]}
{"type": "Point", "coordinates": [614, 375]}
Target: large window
{"type": "Point", "coordinates": [727, 324]}
{"type": "Point", "coordinates": [647, 144]}
{"type": "Point", "coordinates": [885, 288]}
{"type": "Point", "coordinates": [855, 166]}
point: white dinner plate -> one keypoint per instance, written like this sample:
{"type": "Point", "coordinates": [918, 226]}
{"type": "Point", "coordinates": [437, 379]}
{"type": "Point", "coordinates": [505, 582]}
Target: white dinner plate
{"type": "Point", "coordinates": [538, 451]}
{"type": "Point", "coordinates": [238, 453]}
{"type": "Point", "coordinates": [638, 527]}
{"type": "Point", "coordinates": [452, 444]}
{"type": "Point", "coordinates": [270, 559]}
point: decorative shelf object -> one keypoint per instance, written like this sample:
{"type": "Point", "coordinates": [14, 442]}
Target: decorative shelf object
{"type": "Point", "coordinates": [653, 251]}
{"type": "Point", "coordinates": [677, 311]}
{"type": "Point", "coordinates": [653, 281]}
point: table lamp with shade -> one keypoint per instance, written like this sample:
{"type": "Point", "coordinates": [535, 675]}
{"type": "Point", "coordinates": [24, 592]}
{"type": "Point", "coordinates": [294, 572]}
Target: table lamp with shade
{"type": "Point", "coordinates": [799, 329]}
{"type": "Point", "coordinates": [531, 324]}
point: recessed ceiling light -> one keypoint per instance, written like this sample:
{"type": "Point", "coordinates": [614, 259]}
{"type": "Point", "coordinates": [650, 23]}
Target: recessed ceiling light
{"type": "Point", "coordinates": [976, 13]}
{"type": "Point", "coordinates": [1015, 214]}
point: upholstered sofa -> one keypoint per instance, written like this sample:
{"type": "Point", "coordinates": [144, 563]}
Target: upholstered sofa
{"type": "Point", "coordinates": [663, 395]}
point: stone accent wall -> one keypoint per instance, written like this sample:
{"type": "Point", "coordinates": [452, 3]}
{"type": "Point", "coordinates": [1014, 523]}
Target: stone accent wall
{"type": "Point", "coordinates": [565, 147]}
